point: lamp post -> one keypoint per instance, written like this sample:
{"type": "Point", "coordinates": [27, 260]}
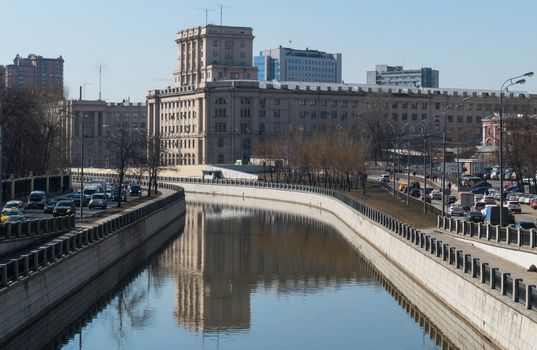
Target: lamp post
{"type": "Point", "coordinates": [444, 115]}
{"type": "Point", "coordinates": [506, 84]}
{"type": "Point", "coordinates": [66, 114]}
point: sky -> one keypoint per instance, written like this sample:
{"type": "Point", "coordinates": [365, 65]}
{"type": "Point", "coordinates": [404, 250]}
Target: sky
{"type": "Point", "coordinates": [473, 43]}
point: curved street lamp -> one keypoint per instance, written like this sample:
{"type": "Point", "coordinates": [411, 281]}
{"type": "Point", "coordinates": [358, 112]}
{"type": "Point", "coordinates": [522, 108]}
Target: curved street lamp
{"type": "Point", "coordinates": [506, 84]}
{"type": "Point", "coordinates": [444, 115]}
{"type": "Point", "coordinates": [70, 115]}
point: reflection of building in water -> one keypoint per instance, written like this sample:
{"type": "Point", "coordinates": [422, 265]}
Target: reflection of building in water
{"type": "Point", "coordinates": [226, 252]}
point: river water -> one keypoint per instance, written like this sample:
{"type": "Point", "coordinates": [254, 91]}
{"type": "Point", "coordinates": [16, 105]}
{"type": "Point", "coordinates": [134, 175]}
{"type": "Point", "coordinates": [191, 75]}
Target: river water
{"type": "Point", "coordinates": [244, 278]}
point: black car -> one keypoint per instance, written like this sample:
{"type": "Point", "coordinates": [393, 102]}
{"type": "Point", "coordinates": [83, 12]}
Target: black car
{"type": "Point", "coordinates": [115, 196]}
{"type": "Point", "coordinates": [51, 203]}
{"type": "Point", "coordinates": [65, 207]}
{"type": "Point", "coordinates": [415, 192]}
{"type": "Point", "coordinates": [474, 216]}
{"type": "Point", "coordinates": [135, 190]}
{"type": "Point", "coordinates": [75, 197]}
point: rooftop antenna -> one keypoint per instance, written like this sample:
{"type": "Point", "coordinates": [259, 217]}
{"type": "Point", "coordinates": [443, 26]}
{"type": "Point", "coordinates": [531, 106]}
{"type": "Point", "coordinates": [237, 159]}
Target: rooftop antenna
{"type": "Point", "coordinates": [100, 66]}
{"type": "Point", "coordinates": [221, 13]}
{"type": "Point", "coordinates": [84, 84]}
{"type": "Point", "coordinates": [206, 14]}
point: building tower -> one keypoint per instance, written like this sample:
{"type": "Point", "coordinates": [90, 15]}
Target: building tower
{"type": "Point", "coordinates": [211, 53]}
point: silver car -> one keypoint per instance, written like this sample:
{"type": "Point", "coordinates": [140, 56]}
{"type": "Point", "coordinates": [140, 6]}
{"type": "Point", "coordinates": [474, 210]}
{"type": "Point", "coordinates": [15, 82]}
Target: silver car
{"type": "Point", "coordinates": [98, 200]}
{"type": "Point", "coordinates": [455, 210]}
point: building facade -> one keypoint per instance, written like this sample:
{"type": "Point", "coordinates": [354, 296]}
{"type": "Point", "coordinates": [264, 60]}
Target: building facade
{"type": "Point", "coordinates": [397, 76]}
{"type": "Point", "coordinates": [33, 72]}
{"type": "Point", "coordinates": [102, 124]}
{"type": "Point", "coordinates": [211, 53]}
{"type": "Point", "coordinates": [286, 64]}
{"type": "Point", "coordinates": [222, 121]}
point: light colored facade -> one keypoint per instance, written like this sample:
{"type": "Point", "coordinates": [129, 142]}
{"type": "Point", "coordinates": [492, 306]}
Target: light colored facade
{"type": "Point", "coordinates": [397, 76]}
{"type": "Point", "coordinates": [224, 121]}
{"type": "Point", "coordinates": [286, 64]}
{"type": "Point", "coordinates": [219, 122]}
{"type": "Point", "coordinates": [212, 53]}
{"type": "Point", "coordinates": [102, 124]}
{"type": "Point", "coordinates": [33, 72]}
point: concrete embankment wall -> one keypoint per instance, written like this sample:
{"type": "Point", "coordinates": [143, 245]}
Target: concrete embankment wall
{"type": "Point", "coordinates": [507, 324]}
{"type": "Point", "coordinates": [48, 282]}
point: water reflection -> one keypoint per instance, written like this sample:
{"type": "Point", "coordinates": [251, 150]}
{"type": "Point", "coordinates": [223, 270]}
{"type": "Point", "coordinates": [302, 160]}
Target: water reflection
{"type": "Point", "coordinates": [217, 286]}
{"type": "Point", "coordinates": [227, 252]}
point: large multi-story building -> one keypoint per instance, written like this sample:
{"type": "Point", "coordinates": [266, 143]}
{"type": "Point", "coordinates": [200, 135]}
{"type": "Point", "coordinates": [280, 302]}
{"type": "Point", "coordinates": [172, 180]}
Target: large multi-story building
{"type": "Point", "coordinates": [286, 64]}
{"type": "Point", "coordinates": [33, 72]}
{"type": "Point", "coordinates": [397, 76]}
{"type": "Point", "coordinates": [223, 121]}
{"type": "Point", "coordinates": [211, 53]}
{"type": "Point", "coordinates": [103, 126]}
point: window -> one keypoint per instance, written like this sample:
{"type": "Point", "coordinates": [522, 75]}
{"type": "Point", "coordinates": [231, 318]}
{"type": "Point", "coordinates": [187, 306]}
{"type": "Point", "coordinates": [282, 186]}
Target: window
{"type": "Point", "coordinates": [450, 119]}
{"type": "Point", "coordinates": [276, 113]}
{"type": "Point", "coordinates": [229, 44]}
{"type": "Point", "coordinates": [414, 116]}
{"type": "Point", "coordinates": [215, 42]}
{"type": "Point", "coordinates": [423, 116]}
{"type": "Point", "coordinates": [302, 102]}
{"type": "Point", "coordinates": [334, 115]}
{"type": "Point", "coordinates": [243, 54]}
{"type": "Point", "coordinates": [220, 127]}
{"type": "Point", "coordinates": [459, 119]}
{"type": "Point", "coordinates": [437, 106]}
{"type": "Point", "coordinates": [245, 112]}
{"type": "Point", "coordinates": [302, 114]}
{"type": "Point", "coordinates": [277, 101]}
{"type": "Point", "coordinates": [395, 104]}
{"type": "Point", "coordinates": [245, 101]}
{"type": "Point", "coordinates": [404, 116]}
{"type": "Point", "coordinates": [220, 101]}
{"type": "Point", "coordinates": [261, 113]}
{"type": "Point", "coordinates": [220, 159]}
{"type": "Point", "coordinates": [220, 142]}
{"type": "Point", "coordinates": [261, 128]}
{"type": "Point", "coordinates": [262, 101]}
{"type": "Point", "coordinates": [469, 119]}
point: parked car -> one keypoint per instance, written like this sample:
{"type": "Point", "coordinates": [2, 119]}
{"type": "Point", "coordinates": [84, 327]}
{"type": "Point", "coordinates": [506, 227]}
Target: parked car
{"type": "Point", "coordinates": [62, 208]}
{"type": "Point", "coordinates": [482, 184]}
{"type": "Point", "coordinates": [37, 199]}
{"type": "Point", "coordinates": [51, 204]}
{"type": "Point", "coordinates": [14, 206]}
{"type": "Point", "coordinates": [474, 216]}
{"type": "Point", "coordinates": [451, 199]}
{"type": "Point", "coordinates": [14, 219]}
{"type": "Point", "coordinates": [382, 178]}
{"type": "Point", "coordinates": [455, 210]}
{"type": "Point", "coordinates": [415, 192]}
{"type": "Point", "coordinates": [524, 225]}
{"type": "Point", "coordinates": [480, 190]}
{"type": "Point", "coordinates": [488, 199]}
{"type": "Point", "coordinates": [513, 206]}
{"type": "Point", "coordinates": [136, 190]}
{"type": "Point", "coordinates": [435, 194]}
{"type": "Point", "coordinates": [98, 200]}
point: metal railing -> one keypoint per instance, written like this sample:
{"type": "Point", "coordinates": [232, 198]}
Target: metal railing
{"type": "Point", "coordinates": [72, 242]}
{"type": "Point", "coordinates": [34, 228]}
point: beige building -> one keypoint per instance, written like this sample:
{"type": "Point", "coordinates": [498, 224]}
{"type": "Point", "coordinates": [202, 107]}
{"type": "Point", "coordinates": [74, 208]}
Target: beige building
{"type": "Point", "coordinates": [103, 125]}
{"type": "Point", "coordinates": [218, 120]}
{"type": "Point", "coordinates": [211, 53]}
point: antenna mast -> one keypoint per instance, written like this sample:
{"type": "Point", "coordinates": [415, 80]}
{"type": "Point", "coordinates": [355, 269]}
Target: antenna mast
{"type": "Point", "coordinates": [100, 66]}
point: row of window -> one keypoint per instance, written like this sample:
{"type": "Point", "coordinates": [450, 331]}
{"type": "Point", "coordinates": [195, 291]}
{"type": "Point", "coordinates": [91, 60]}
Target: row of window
{"type": "Point", "coordinates": [179, 115]}
{"type": "Point", "coordinates": [187, 129]}
{"type": "Point", "coordinates": [178, 143]}
{"type": "Point", "coordinates": [179, 159]}
{"type": "Point", "coordinates": [178, 104]}
{"type": "Point", "coordinates": [311, 62]}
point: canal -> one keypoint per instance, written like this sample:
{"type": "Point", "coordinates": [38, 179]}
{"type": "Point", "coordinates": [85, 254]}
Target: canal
{"type": "Point", "coordinates": [240, 277]}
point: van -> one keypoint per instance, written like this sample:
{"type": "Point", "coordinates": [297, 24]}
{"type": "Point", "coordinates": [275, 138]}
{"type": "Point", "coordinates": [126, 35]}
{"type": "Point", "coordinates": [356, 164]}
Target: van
{"type": "Point", "coordinates": [37, 199]}
{"type": "Point", "coordinates": [492, 215]}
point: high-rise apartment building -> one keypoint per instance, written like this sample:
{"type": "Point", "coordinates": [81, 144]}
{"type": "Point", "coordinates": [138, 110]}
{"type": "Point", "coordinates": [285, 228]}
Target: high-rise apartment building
{"type": "Point", "coordinates": [397, 76]}
{"type": "Point", "coordinates": [286, 64]}
{"type": "Point", "coordinates": [212, 53]}
{"type": "Point", "coordinates": [33, 72]}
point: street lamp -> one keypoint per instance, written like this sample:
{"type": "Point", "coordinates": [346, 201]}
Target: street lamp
{"type": "Point", "coordinates": [506, 84]}
{"type": "Point", "coordinates": [444, 115]}
{"type": "Point", "coordinates": [66, 114]}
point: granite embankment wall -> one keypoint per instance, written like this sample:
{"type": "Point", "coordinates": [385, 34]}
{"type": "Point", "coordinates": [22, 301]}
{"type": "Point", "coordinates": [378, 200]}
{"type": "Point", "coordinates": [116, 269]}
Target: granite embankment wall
{"type": "Point", "coordinates": [455, 279]}
{"type": "Point", "coordinates": [36, 282]}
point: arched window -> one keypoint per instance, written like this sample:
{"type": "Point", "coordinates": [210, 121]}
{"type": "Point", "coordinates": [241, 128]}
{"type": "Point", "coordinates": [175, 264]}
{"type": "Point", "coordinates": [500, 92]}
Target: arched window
{"type": "Point", "coordinates": [220, 159]}
{"type": "Point", "coordinates": [220, 101]}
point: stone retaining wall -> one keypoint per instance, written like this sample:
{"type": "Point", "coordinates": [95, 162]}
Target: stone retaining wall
{"type": "Point", "coordinates": [34, 283]}
{"type": "Point", "coordinates": [477, 292]}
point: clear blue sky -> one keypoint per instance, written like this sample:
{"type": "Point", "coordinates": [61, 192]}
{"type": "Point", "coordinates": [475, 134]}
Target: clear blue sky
{"type": "Point", "coordinates": [474, 44]}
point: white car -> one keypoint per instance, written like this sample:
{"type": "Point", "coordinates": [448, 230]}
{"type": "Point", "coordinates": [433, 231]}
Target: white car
{"type": "Point", "coordinates": [513, 206]}
{"type": "Point", "coordinates": [488, 199]}
{"type": "Point", "coordinates": [14, 207]}
{"type": "Point", "coordinates": [455, 209]}
{"type": "Point", "coordinates": [435, 194]}
{"type": "Point", "coordinates": [384, 178]}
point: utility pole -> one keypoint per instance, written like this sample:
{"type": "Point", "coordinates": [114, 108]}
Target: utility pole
{"type": "Point", "coordinates": [1, 141]}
